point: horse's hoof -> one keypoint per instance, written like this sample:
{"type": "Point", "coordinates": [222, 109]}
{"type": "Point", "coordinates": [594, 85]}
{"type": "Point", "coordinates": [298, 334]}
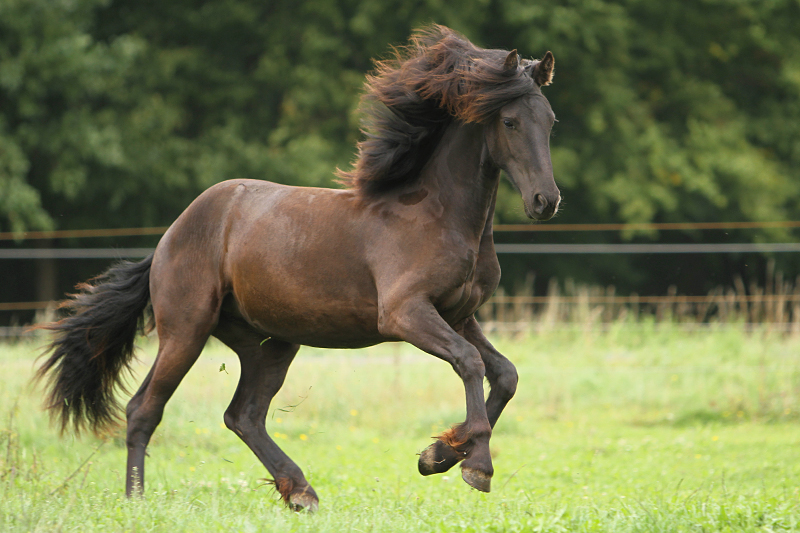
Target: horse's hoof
{"type": "Point", "coordinates": [476, 479]}
{"type": "Point", "coordinates": [303, 502]}
{"type": "Point", "coordinates": [437, 458]}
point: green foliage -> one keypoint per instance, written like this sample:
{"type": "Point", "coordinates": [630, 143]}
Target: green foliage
{"type": "Point", "coordinates": [119, 112]}
{"type": "Point", "coordinates": [671, 111]}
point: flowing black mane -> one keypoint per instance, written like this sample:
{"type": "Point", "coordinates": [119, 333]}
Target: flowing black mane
{"type": "Point", "coordinates": [412, 97]}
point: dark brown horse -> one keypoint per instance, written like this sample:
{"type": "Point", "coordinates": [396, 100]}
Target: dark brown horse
{"type": "Point", "coordinates": [405, 253]}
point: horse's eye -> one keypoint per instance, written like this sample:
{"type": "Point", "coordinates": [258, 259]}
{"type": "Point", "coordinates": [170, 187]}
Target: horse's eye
{"type": "Point", "coordinates": [508, 123]}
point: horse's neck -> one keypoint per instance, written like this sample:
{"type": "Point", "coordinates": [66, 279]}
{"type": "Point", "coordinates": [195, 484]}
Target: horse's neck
{"type": "Point", "coordinates": [465, 178]}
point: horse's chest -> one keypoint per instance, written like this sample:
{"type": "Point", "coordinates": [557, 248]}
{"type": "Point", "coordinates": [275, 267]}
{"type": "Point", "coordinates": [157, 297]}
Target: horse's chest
{"type": "Point", "coordinates": [475, 285]}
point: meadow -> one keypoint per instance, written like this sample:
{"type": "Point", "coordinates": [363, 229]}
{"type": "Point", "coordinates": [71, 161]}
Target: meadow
{"type": "Point", "coordinates": [632, 427]}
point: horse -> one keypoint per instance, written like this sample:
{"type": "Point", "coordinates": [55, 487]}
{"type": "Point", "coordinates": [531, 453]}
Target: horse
{"type": "Point", "coordinates": [403, 251]}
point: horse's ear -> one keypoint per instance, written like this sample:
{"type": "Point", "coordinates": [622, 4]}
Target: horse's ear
{"type": "Point", "coordinates": [512, 61]}
{"type": "Point", "coordinates": [543, 70]}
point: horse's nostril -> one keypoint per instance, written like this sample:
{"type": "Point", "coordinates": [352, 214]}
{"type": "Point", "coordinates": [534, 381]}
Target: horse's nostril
{"type": "Point", "coordinates": [539, 203]}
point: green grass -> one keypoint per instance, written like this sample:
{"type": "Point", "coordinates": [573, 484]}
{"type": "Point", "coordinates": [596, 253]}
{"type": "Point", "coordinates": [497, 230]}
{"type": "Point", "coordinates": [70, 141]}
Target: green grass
{"type": "Point", "coordinates": [640, 428]}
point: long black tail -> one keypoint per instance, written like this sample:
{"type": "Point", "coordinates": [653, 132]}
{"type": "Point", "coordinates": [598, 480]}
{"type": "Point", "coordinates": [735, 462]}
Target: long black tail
{"type": "Point", "coordinates": [94, 344]}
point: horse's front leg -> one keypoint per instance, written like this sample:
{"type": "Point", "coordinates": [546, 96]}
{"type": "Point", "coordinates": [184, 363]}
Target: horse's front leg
{"type": "Point", "coordinates": [440, 457]}
{"type": "Point", "coordinates": [418, 323]}
{"type": "Point", "coordinates": [500, 372]}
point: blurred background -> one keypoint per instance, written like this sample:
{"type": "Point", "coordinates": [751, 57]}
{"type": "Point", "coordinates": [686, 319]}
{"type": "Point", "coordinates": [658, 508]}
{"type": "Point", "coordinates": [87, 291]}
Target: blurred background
{"type": "Point", "coordinates": [116, 114]}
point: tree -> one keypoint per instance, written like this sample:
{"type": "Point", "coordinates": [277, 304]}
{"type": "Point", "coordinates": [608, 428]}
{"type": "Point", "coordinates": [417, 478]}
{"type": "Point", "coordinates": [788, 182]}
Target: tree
{"type": "Point", "coordinates": [119, 112]}
{"type": "Point", "coordinates": [668, 111]}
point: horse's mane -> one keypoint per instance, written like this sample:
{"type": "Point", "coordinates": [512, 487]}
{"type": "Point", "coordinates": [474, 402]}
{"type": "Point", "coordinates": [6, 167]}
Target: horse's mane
{"type": "Point", "coordinates": [412, 97]}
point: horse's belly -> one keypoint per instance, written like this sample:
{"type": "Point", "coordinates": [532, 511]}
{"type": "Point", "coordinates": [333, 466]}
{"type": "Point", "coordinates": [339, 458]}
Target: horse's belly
{"type": "Point", "coordinates": [306, 285]}
{"type": "Point", "coordinates": [324, 324]}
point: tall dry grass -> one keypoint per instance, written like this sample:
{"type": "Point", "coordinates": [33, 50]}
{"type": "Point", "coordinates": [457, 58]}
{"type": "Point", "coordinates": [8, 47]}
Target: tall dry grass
{"type": "Point", "coordinates": [775, 304]}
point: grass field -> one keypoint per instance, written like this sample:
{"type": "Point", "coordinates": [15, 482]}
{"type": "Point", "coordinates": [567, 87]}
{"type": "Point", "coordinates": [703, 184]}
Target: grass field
{"type": "Point", "coordinates": [640, 428]}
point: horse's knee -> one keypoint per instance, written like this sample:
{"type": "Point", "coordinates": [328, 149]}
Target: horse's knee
{"type": "Point", "coordinates": [506, 380]}
{"type": "Point", "coordinates": [470, 366]}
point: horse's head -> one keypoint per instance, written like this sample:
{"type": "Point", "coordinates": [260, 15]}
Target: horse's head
{"type": "Point", "coordinates": [518, 138]}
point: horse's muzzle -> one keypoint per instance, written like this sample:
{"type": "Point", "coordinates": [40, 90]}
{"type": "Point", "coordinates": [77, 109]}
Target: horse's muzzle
{"type": "Point", "coordinates": [543, 206]}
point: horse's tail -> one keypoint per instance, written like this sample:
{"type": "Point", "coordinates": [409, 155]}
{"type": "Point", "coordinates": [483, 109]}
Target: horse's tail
{"type": "Point", "coordinates": [94, 344]}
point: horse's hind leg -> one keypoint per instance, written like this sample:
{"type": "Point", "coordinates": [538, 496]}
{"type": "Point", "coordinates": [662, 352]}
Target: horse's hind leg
{"type": "Point", "coordinates": [502, 376]}
{"type": "Point", "coordinates": [263, 369]}
{"type": "Point", "coordinates": [175, 357]}
{"type": "Point", "coordinates": [184, 320]}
